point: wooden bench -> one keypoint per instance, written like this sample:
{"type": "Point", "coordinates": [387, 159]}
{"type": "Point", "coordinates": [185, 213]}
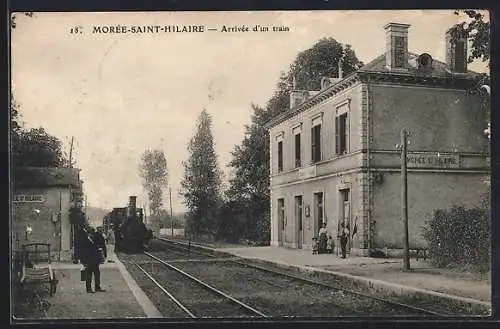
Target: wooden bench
{"type": "Point", "coordinates": [36, 266]}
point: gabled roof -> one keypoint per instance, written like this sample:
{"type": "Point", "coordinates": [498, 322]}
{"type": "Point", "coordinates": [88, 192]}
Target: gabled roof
{"type": "Point", "coordinates": [46, 177]}
{"type": "Point", "coordinates": [439, 71]}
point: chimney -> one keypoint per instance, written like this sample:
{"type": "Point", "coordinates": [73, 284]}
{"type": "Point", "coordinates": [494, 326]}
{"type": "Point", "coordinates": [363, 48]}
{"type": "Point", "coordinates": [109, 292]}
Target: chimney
{"type": "Point", "coordinates": [456, 53]}
{"type": "Point", "coordinates": [132, 206]}
{"type": "Point", "coordinates": [396, 40]}
{"type": "Point", "coordinates": [296, 96]}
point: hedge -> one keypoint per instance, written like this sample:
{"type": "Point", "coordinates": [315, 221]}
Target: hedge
{"type": "Point", "coordinates": [460, 237]}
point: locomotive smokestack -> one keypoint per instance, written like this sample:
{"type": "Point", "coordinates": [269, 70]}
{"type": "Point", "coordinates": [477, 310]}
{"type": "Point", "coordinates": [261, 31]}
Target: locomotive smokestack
{"type": "Point", "coordinates": [132, 209]}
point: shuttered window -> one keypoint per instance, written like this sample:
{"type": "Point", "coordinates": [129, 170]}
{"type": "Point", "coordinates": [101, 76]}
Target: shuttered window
{"type": "Point", "coordinates": [316, 143]}
{"type": "Point", "coordinates": [298, 161]}
{"type": "Point", "coordinates": [342, 134]}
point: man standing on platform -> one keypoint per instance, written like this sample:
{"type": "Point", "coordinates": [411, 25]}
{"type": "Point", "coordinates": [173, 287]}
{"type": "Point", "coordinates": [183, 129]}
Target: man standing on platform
{"type": "Point", "coordinates": [89, 257]}
{"type": "Point", "coordinates": [344, 237]}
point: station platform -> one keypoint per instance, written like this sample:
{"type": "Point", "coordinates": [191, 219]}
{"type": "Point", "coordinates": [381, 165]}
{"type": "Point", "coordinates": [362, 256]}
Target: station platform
{"type": "Point", "coordinates": [122, 297]}
{"type": "Point", "coordinates": [422, 276]}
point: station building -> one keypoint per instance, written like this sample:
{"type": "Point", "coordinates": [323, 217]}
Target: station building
{"type": "Point", "coordinates": [334, 156]}
{"type": "Point", "coordinates": [40, 208]}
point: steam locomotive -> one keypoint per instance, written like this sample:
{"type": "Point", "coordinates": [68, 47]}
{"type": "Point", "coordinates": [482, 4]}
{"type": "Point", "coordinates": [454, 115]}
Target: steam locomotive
{"type": "Point", "coordinates": [127, 224]}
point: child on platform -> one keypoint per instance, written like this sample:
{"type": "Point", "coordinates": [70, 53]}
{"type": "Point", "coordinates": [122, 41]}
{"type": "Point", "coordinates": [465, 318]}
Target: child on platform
{"type": "Point", "coordinates": [331, 245]}
{"type": "Point", "coordinates": [315, 246]}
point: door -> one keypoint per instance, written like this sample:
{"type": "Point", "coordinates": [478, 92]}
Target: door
{"type": "Point", "coordinates": [281, 221]}
{"type": "Point", "coordinates": [298, 221]}
{"type": "Point", "coordinates": [346, 216]}
{"type": "Point", "coordinates": [318, 213]}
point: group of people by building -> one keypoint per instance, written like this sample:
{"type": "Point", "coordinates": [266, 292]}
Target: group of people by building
{"type": "Point", "coordinates": [325, 244]}
{"type": "Point", "coordinates": [90, 251]}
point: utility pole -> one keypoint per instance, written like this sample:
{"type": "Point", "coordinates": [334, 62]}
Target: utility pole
{"type": "Point", "coordinates": [404, 198]}
{"type": "Point", "coordinates": [171, 214]}
{"type": "Point", "coordinates": [71, 153]}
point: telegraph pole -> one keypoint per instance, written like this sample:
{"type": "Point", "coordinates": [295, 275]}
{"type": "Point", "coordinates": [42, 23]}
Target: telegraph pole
{"type": "Point", "coordinates": [404, 198]}
{"type": "Point", "coordinates": [71, 153]}
{"type": "Point", "coordinates": [171, 215]}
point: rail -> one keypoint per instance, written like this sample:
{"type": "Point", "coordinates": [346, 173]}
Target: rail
{"type": "Point", "coordinates": [177, 302]}
{"type": "Point", "coordinates": [314, 282]}
{"type": "Point", "coordinates": [207, 286]}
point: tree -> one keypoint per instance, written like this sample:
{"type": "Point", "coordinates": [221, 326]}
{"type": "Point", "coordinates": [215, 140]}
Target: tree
{"type": "Point", "coordinates": [201, 186]}
{"type": "Point", "coordinates": [154, 173]}
{"type": "Point", "coordinates": [33, 147]}
{"type": "Point", "coordinates": [247, 199]}
{"type": "Point", "coordinates": [37, 148]}
{"type": "Point", "coordinates": [477, 30]}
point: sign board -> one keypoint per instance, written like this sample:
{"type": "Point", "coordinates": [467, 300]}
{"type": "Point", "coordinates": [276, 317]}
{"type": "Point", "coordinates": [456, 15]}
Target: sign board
{"type": "Point", "coordinates": [28, 198]}
{"type": "Point", "coordinates": [432, 160]}
{"type": "Point", "coordinates": [307, 172]}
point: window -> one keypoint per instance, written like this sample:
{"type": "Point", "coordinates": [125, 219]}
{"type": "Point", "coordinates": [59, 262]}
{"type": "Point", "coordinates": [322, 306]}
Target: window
{"type": "Point", "coordinates": [341, 134]}
{"type": "Point", "coordinates": [280, 156]}
{"type": "Point", "coordinates": [298, 161]}
{"type": "Point", "coordinates": [316, 144]}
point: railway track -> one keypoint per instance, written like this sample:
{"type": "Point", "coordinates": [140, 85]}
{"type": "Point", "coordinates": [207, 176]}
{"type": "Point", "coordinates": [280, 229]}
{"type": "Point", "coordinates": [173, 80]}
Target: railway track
{"type": "Point", "coordinates": [192, 296]}
{"type": "Point", "coordinates": [395, 306]}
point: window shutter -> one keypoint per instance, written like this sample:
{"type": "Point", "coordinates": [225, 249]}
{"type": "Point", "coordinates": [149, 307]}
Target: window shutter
{"type": "Point", "coordinates": [347, 141]}
{"type": "Point", "coordinates": [337, 135]}
{"type": "Point", "coordinates": [318, 142]}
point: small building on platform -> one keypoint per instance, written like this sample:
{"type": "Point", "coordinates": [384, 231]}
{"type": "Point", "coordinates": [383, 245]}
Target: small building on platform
{"type": "Point", "coordinates": [334, 154]}
{"type": "Point", "coordinates": [41, 199]}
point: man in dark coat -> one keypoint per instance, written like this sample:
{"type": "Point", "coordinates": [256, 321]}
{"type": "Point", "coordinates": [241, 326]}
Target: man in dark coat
{"type": "Point", "coordinates": [89, 257]}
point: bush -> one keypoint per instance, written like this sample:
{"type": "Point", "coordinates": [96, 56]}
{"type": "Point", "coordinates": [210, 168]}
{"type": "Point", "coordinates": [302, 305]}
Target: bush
{"type": "Point", "coordinates": [460, 237]}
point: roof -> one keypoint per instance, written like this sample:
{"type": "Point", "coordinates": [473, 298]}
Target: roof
{"type": "Point", "coordinates": [439, 71]}
{"type": "Point", "coordinates": [46, 177]}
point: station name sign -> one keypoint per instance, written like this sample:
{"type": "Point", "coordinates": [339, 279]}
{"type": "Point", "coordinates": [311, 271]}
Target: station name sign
{"type": "Point", "coordinates": [28, 198]}
{"type": "Point", "coordinates": [432, 160]}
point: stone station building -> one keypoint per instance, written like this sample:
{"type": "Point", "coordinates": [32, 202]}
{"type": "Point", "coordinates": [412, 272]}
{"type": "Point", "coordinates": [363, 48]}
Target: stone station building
{"type": "Point", "coordinates": [334, 155]}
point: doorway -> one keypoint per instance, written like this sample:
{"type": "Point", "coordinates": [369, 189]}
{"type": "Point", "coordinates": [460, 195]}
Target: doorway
{"type": "Point", "coordinates": [298, 221]}
{"type": "Point", "coordinates": [318, 213]}
{"type": "Point", "coordinates": [281, 221]}
{"type": "Point", "coordinates": [346, 215]}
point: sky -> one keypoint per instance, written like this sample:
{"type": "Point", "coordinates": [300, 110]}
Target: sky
{"type": "Point", "coordinates": [120, 94]}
